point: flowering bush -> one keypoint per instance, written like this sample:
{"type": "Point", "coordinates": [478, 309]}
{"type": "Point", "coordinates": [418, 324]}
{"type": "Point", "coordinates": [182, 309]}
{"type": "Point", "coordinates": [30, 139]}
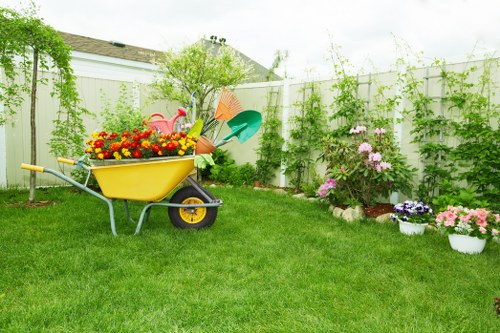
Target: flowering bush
{"type": "Point", "coordinates": [139, 144]}
{"type": "Point", "coordinates": [325, 190]}
{"type": "Point", "coordinates": [412, 212]}
{"type": "Point", "coordinates": [480, 223]}
{"type": "Point", "coordinates": [365, 167]}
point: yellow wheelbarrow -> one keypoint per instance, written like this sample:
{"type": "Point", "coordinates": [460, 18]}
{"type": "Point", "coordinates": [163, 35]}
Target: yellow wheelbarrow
{"type": "Point", "coordinates": [150, 181]}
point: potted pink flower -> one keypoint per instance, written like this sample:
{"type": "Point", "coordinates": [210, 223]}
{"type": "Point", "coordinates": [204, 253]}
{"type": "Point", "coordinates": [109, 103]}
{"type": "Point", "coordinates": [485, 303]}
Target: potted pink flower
{"type": "Point", "coordinates": [468, 229]}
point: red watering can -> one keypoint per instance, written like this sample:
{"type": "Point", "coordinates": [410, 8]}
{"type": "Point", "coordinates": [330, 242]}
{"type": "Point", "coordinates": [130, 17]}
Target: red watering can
{"type": "Point", "coordinates": [164, 125]}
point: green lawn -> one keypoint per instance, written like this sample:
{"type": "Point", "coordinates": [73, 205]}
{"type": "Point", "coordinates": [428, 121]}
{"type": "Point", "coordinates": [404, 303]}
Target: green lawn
{"type": "Point", "coordinates": [270, 263]}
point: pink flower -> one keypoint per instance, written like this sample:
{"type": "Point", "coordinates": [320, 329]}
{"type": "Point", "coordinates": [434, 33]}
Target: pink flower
{"type": "Point", "coordinates": [379, 131]}
{"type": "Point", "coordinates": [358, 130]}
{"type": "Point", "coordinates": [483, 230]}
{"type": "Point", "coordinates": [365, 147]}
{"type": "Point", "coordinates": [375, 157]}
{"type": "Point", "coordinates": [326, 186]}
{"type": "Point", "coordinates": [447, 218]}
{"type": "Point", "coordinates": [495, 232]}
{"type": "Point", "coordinates": [385, 165]}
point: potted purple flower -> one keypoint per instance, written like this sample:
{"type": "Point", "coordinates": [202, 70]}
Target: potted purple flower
{"type": "Point", "coordinates": [412, 216]}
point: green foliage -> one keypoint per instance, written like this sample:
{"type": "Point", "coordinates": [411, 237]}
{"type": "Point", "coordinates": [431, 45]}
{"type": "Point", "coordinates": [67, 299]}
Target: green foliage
{"type": "Point", "coordinates": [348, 109]}
{"type": "Point", "coordinates": [270, 142]}
{"type": "Point", "coordinates": [467, 114]}
{"type": "Point", "coordinates": [233, 174]}
{"type": "Point", "coordinates": [122, 116]}
{"type": "Point", "coordinates": [308, 128]}
{"type": "Point", "coordinates": [219, 157]}
{"type": "Point", "coordinates": [360, 177]}
{"type": "Point", "coordinates": [455, 196]}
{"type": "Point", "coordinates": [29, 48]}
{"type": "Point", "coordinates": [201, 68]}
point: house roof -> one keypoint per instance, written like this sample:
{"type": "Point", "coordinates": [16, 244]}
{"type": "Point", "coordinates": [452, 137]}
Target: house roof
{"type": "Point", "coordinates": [109, 48]}
{"type": "Point", "coordinates": [135, 53]}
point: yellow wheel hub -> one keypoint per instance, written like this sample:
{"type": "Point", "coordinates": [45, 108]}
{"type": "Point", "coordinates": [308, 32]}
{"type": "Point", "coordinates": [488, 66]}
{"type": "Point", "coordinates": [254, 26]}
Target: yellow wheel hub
{"type": "Point", "coordinates": [193, 215]}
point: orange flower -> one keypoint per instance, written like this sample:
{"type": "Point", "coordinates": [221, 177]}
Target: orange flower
{"type": "Point", "coordinates": [115, 146]}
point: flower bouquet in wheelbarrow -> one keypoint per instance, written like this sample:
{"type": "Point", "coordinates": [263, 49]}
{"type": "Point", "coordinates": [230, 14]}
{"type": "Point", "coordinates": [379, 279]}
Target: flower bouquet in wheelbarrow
{"type": "Point", "coordinates": [147, 165]}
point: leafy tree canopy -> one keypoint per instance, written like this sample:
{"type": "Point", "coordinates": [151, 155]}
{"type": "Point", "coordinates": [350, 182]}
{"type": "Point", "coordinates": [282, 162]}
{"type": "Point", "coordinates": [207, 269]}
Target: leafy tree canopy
{"type": "Point", "coordinates": [199, 69]}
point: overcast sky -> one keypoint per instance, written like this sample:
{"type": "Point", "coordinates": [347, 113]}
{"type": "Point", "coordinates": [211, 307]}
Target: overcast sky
{"type": "Point", "coordinates": [365, 29]}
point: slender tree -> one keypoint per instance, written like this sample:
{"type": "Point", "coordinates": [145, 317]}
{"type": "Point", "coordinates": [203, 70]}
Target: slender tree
{"type": "Point", "coordinates": [28, 47]}
{"type": "Point", "coordinates": [202, 68]}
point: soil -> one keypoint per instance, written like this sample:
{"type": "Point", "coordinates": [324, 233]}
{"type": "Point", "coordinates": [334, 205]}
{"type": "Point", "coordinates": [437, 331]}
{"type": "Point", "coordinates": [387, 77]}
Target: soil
{"type": "Point", "coordinates": [379, 209]}
{"type": "Point", "coordinates": [30, 204]}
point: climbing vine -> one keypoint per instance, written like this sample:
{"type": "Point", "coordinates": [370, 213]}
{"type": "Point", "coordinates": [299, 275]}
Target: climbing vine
{"type": "Point", "coordinates": [271, 141]}
{"type": "Point", "coordinates": [308, 129]}
{"type": "Point", "coordinates": [348, 109]}
{"type": "Point", "coordinates": [456, 133]}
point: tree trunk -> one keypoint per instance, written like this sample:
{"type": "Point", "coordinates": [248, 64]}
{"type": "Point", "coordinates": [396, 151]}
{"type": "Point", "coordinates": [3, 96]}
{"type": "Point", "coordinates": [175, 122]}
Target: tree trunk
{"type": "Point", "coordinates": [33, 125]}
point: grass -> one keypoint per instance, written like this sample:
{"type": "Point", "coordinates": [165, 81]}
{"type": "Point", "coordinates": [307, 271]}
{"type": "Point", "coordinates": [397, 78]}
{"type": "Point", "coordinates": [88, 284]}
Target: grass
{"type": "Point", "coordinates": [270, 263]}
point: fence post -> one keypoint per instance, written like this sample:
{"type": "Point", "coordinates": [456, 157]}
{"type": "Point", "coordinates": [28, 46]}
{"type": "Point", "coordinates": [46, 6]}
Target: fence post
{"type": "Point", "coordinates": [3, 146]}
{"type": "Point", "coordinates": [285, 127]}
{"type": "Point", "coordinates": [398, 125]}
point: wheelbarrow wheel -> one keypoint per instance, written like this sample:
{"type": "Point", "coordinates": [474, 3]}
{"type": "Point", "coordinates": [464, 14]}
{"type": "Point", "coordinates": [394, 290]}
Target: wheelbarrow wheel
{"type": "Point", "coordinates": [191, 218]}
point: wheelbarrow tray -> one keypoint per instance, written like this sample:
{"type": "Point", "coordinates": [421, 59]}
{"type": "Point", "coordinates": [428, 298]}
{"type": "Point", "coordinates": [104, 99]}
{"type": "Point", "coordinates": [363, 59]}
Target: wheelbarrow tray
{"type": "Point", "coordinates": [149, 181]}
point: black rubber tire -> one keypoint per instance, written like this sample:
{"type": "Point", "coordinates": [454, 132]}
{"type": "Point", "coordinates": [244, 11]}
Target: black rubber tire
{"type": "Point", "coordinates": [196, 218]}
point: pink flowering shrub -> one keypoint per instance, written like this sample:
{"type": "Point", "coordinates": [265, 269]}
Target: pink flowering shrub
{"type": "Point", "coordinates": [365, 166]}
{"type": "Point", "coordinates": [480, 223]}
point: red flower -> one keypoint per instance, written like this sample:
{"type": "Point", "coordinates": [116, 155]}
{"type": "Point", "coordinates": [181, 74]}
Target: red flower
{"type": "Point", "coordinates": [126, 144]}
{"type": "Point", "coordinates": [107, 154]}
{"type": "Point", "coordinates": [171, 146]}
{"type": "Point", "coordinates": [103, 134]}
{"type": "Point", "coordinates": [136, 137]}
{"type": "Point", "coordinates": [99, 143]}
{"type": "Point", "coordinates": [126, 134]}
{"type": "Point", "coordinates": [134, 145]}
{"type": "Point", "coordinates": [155, 148]}
{"type": "Point", "coordinates": [137, 153]}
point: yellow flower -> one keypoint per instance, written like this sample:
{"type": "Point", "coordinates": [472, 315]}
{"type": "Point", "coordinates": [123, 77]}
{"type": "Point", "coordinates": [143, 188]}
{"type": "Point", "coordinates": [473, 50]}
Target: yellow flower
{"type": "Point", "coordinates": [117, 155]}
{"type": "Point", "coordinates": [146, 144]}
{"type": "Point", "coordinates": [88, 150]}
{"type": "Point", "coordinates": [95, 135]}
{"type": "Point", "coordinates": [126, 152]}
{"type": "Point", "coordinates": [98, 150]}
{"type": "Point", "coordinates": [100, 156]}
{"type": "Point", "coordinates": [181, 152]}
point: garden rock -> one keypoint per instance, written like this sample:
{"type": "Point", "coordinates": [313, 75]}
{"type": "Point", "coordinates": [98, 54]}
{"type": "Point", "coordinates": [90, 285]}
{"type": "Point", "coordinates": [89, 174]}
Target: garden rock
{"type": "Point", "coordinates": [384, 218]}
{"type": "Point", "coordinates": [300, 196]}
{"type": "Point", "coordinates": [353, 214]}
{"type": "Point", "coordinates": [280, 191]}
{"type": "Point", "coordinates": [337, 212]}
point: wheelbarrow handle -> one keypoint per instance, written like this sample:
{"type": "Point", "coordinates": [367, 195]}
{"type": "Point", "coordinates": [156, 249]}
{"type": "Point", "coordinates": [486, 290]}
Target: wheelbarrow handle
{"type": "Point", "coordinates": [31, 167]}
{"type": "Point", "coordinates": [66, 160]}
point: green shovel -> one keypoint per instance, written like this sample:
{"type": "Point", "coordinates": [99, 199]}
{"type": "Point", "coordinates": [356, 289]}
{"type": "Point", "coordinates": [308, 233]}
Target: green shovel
{"type": "Point", "coordinates": [244, 125]}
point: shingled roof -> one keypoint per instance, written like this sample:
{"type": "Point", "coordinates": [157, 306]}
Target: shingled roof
{"type": "Point", "coordinates": [134, 53]}
{"type": "Point", "coordinates": [109, 49]}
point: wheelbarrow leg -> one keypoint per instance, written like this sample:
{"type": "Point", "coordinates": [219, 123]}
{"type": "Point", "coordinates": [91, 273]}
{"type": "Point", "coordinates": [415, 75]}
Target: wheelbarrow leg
{"type": "Point", "coordinates": [89, 191]}
{"type": "Point", "coordinates": [144, 216]}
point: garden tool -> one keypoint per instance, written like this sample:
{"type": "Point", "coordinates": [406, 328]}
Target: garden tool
{"type": "Point", "coordinates": [244, 125]}
{"type": "Point", "coordinates": [196, 129]}
{"type": "Point", "coordinates": [163, 125]}
{"type": "Point", "coordinates": [227, 108]}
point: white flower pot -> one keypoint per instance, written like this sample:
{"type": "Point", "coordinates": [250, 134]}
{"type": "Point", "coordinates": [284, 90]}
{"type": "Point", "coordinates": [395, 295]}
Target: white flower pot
{"type": "Point", "coordinates": [408, 228]}
{"type": "Point", "coordinates": [466, 244]}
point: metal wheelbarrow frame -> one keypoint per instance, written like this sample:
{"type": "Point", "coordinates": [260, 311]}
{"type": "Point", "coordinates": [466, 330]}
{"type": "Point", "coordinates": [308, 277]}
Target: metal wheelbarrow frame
{"type": "Point", "coordinates": [149, 181]}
